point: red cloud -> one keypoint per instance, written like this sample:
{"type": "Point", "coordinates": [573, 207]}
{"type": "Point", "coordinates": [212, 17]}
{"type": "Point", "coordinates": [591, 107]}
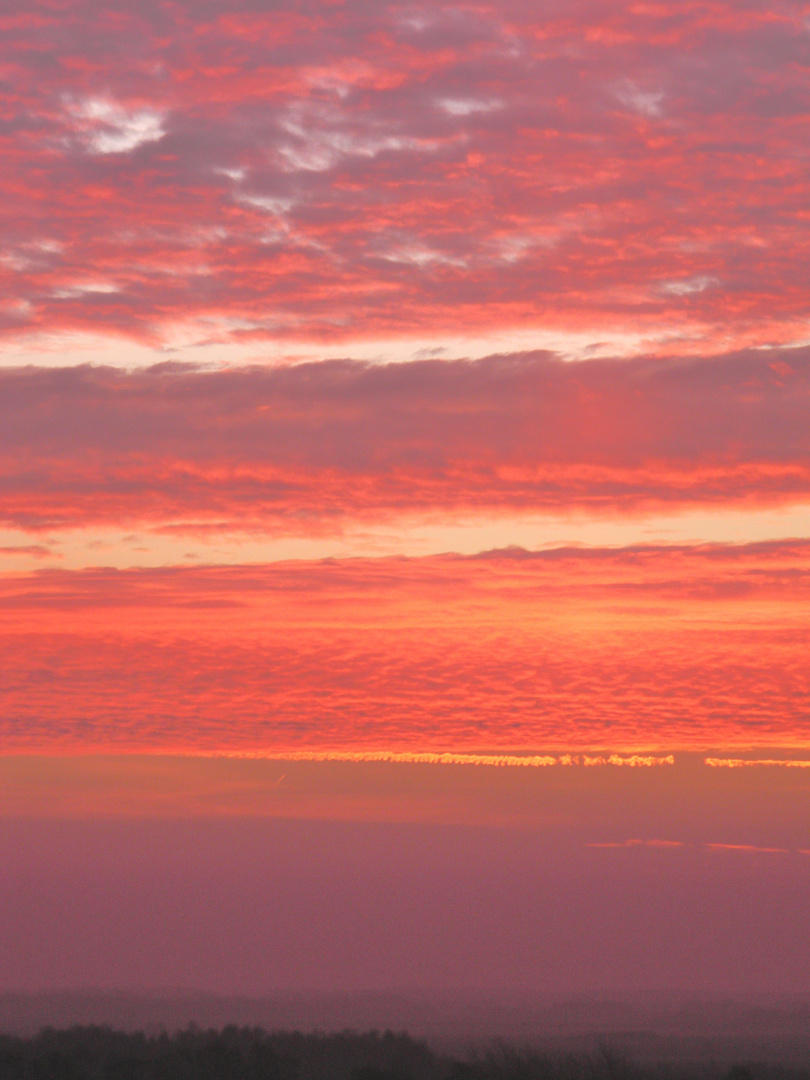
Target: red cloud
{"type": "Point", "coordinates": [339, 171]}
{"type": "Point", "coordinates": [311, 447]}
{"type": "Point", "coordinates": [656, 648]}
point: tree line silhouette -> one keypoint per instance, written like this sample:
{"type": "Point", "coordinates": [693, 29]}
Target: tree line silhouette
{"type": "Point", "coordinates": [233, 1053]}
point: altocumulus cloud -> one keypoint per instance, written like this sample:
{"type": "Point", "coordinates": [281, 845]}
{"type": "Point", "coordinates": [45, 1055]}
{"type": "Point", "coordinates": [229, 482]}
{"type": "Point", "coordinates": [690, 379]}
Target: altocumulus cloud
{"type": "Point", "coordinates": [312, 446]}
{"type": "Point", "coordinates": [660, 648]}
{"type": "Point", "coordinates": [371, 169]}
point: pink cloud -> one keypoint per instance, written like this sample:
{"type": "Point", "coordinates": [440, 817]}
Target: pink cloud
{"type": "Point", "coordinates": [344, 171]}
{"type": "Point", "coordinates": [747, 849]}
{"type": "Point", "coordinates": [312, 447]}
{"type": "Point", "coordinates": [38, 551]}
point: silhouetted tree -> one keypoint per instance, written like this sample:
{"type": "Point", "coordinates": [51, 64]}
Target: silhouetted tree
{"type": "Point", "coordinates": [233, 1053]}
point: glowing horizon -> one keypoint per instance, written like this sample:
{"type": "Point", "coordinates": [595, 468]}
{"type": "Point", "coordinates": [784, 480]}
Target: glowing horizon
{"type": "Point", "coordinates": [405, 439]}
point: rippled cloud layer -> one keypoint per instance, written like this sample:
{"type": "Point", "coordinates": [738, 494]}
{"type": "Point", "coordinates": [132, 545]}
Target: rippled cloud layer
{"type": "Point", "coordinates": [354, 170]}
{"type": "Point", "coordinates": [641, 649]}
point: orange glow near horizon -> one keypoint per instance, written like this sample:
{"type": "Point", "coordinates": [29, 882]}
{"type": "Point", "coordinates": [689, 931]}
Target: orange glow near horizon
{"type": "Point", "coordinates": [741, 763]}
{"type": "Point", "coordinates": [532, 761]}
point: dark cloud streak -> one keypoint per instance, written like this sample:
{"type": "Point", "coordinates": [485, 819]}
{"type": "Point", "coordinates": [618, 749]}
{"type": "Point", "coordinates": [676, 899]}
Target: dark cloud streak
{"type": "Point", "coordinates": [312, 446]}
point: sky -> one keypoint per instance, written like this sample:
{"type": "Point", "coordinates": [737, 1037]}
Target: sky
{"type": "Point", "coordinates": [405, 495]}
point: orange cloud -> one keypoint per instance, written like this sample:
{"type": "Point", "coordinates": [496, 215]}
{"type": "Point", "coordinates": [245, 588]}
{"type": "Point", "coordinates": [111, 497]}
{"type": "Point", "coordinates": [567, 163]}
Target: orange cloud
{"type": "Point", "coordinates": [532, 761]}
{"type": "Point", "coordinates": [638, 843]}
{"type": "Point", "coordinates": [570, 651]}
{"type": "Point", "coordinates": [747, 849]}
{"type": "Point", "coordinates": [746, 763]}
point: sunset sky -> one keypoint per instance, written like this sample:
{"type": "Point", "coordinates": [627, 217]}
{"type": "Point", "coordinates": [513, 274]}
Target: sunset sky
{"type": "Point", "coordinates": [405, 494]}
